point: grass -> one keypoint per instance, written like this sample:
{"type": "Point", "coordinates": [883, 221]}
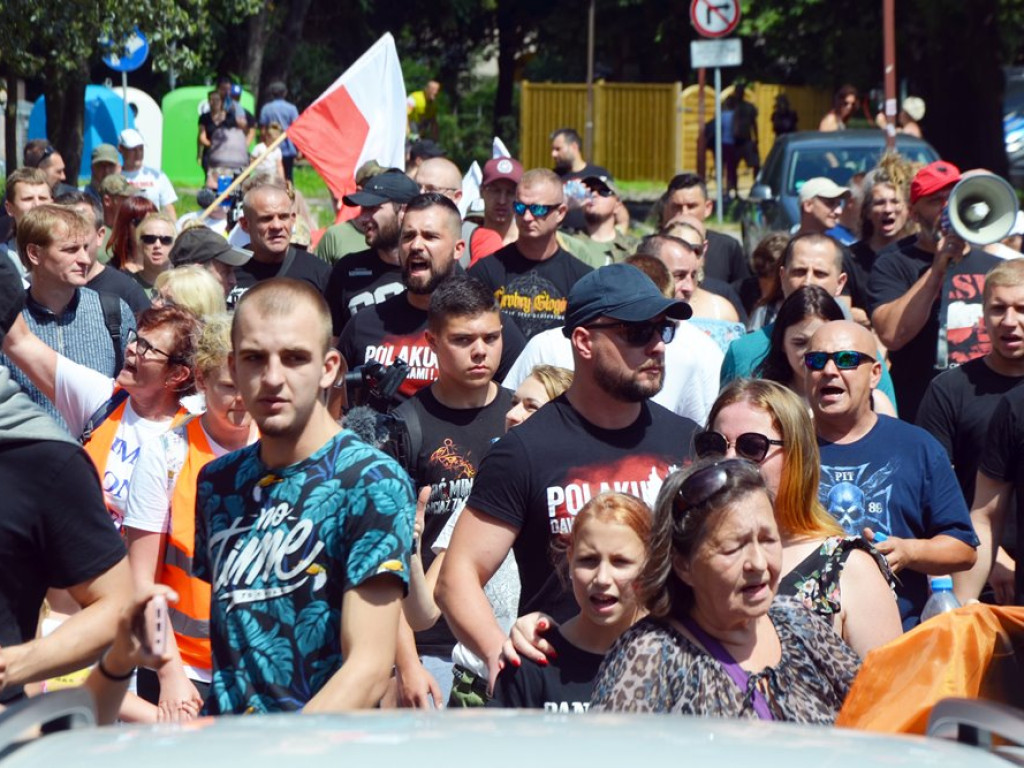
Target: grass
{"type": "Point", "coordinates": [307, 181]}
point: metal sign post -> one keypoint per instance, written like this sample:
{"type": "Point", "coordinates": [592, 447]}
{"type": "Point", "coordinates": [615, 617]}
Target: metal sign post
{"type": "Point", "coordinates": [717, 54]}
{"type": "Point", "coordinates": [124, 58]}
{"type": "Point", "coordinates": [714, 19]}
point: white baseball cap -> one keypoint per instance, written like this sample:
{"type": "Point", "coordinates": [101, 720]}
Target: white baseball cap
{"type": "Point", "coordinates": [130, 138]}
{"type": "Point", "coordinates": [822, 186]}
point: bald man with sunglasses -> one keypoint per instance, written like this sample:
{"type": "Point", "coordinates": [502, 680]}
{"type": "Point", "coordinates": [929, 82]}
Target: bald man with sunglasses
{"type": "Point", "coordinates": [881, 477]}
{"type": "Point", "coordinates": [531, 278]}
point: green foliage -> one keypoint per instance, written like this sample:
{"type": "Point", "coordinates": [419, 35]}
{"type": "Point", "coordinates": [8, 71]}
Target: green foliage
{"type": "Point", "coordinates": [60, 38]}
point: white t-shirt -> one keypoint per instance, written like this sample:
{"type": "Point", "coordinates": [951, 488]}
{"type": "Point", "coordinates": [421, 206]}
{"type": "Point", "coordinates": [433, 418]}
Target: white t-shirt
{"type": "Point", "coordinates": [502, 592]}
{"type": "Point", "coordinates": [269, 164]}
{"type": "Point", "coordinates": [80, 392]}
{"type": "Point", "coordinates": [220, 226]}
{"type": "Point", "coordinates": [692, 365]}
{"type": "Point", "coordinates": [153, 185]}
{"type": "Point", "coordinates": [160, 461]}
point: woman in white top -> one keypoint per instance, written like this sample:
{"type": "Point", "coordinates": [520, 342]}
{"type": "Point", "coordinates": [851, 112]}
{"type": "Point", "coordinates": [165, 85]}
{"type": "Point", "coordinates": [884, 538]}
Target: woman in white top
{"type": "Point", "coordinates": [180, 685]}
{"type": "Point", "coordinates": [157, 372]}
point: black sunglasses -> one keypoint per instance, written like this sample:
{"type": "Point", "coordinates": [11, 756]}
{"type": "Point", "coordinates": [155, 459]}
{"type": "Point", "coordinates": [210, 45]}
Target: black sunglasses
{"type": "Point", "coordinates": [152, 239]}
{"type": "Point", "coordinates": [639, 334]}
{"type": "Point", "coordinates": [705, 483]}
{"type": "Point", "coordinates": [601, 191]}
{"type": "Point", "coordinates": [750, 445]}
{"type": "Point", "coordinates": [537, 210]}
{"type": "Point", "coordinates": [845, 359]}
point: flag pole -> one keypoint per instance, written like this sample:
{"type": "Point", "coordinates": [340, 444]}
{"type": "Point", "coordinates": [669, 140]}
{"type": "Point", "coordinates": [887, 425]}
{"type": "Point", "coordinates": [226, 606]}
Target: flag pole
{"type": "Point", "coordinates": [242, 176]}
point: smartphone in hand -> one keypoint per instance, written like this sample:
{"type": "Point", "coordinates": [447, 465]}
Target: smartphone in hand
{"type": "Point", "coordinates": [156, 626]}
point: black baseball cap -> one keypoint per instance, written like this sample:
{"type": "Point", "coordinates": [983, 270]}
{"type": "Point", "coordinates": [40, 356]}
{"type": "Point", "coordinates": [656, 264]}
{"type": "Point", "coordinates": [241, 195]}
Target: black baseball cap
{"type": "Point", "coordinates": [201, 244]}
{"type": "Point", "coordinates": [621, 292]}
{"type": "Point", "coordinates": [388, 187]}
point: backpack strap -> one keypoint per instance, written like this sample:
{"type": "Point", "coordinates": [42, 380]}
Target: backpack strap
{"type": "Point", "coordinates": [414, 429]}
{"type": "Point", "coordinates": [102, 413]}
{"type": "Point", "coordinates": [111, 304]}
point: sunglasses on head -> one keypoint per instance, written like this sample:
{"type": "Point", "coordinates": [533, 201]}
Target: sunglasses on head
{"type": "Point", "coordinates": [152, 239]}
{"type": "Point", "coordinates": [845, 359]}
{"type": "Point", "coordinates": [537, 210]}
{"type": "Point", "coordinates": [639, 334]}
{"type": "Point", "coordinates": [750, 445]}
{"type": "Point", "coordinates": [705, 483]}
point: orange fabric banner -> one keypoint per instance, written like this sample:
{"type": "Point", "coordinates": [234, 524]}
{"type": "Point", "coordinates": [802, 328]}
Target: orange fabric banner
{"type": "Point", "coordinates": [972, 652]}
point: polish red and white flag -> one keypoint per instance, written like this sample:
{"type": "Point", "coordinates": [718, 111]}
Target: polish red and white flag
{"type": "Point", "coordinates": [360, 117]}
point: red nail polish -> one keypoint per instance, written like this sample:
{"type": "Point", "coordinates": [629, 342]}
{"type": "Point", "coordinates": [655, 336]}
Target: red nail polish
{"type": "Point", "coordinates": [543, 662]}
{"type": "Point", "coordinates": [516, 663]}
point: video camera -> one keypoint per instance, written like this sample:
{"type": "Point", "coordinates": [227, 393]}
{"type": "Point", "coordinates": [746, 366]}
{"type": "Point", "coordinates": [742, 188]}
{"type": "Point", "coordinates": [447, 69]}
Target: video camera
{"type": "Point", "coordinates": [374, 422]}
{"type": "Point", "coordinates": [233, 202]}
{"type": "Point", "coordinates": [379, 381]}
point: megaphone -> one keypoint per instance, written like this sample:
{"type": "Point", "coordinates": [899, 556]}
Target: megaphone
{"type": "Point", "coordinates": [982, 208]}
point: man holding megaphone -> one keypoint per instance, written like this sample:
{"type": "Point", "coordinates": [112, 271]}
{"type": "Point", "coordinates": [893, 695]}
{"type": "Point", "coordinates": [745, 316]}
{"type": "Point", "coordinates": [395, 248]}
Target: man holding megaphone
{"type": "Point", "coordinates": [930, 281]}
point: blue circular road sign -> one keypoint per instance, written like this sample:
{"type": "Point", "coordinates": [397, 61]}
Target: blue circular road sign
{"type": "Point", "coordinates": [129, 55]}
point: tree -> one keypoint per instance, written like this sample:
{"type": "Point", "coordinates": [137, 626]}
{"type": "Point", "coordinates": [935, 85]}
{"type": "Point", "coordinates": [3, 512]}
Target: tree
{"type": "Point", "coordinates": [57, 41]}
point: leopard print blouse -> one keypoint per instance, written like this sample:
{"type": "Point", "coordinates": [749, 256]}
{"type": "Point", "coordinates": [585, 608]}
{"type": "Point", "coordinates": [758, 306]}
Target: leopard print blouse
{"type": "Point", "coordinates": [654, 668]}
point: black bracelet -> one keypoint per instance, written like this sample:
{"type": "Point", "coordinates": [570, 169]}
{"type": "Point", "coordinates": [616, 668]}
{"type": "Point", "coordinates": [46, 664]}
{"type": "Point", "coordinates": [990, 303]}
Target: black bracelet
{"type": "Point", "coordinates": [110, 675]}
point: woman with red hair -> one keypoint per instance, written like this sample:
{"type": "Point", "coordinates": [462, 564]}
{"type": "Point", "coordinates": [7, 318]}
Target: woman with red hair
{"type": "Point", "coordinates": [123, 247]}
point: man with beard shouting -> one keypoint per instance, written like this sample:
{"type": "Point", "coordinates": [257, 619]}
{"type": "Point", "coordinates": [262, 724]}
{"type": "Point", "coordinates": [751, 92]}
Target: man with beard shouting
{"type": "Point", "coordinates": [368, 277]}
{"type": "Point", "coordinates": [430, 245]}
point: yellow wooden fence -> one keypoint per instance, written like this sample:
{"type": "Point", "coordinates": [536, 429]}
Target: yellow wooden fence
{"type": "Point", "coordinates": [646, 131]}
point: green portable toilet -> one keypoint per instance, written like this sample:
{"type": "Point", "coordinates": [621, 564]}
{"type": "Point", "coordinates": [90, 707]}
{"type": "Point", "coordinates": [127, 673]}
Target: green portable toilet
{"type": "Point", "coordinates": [181, 132]}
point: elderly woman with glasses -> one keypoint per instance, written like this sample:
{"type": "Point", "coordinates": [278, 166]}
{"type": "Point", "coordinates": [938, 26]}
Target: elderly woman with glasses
{"type": "Point", "coordinates": [114, 418]}
{"type": "Point", "coordinates": [842, 578]}
{"type": "Point", "coordinates": [717, 641]}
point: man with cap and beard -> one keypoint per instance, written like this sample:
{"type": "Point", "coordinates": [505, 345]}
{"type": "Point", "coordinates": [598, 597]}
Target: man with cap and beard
{"type": "Point", "coordinates": [603, 432]}
{"type": "Point", "coordinates": [368, 277]}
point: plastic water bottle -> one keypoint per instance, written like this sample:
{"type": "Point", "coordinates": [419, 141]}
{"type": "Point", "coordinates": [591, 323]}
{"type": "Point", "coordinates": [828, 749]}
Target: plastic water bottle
{"type": "Point", "coordinates": [942, 599]}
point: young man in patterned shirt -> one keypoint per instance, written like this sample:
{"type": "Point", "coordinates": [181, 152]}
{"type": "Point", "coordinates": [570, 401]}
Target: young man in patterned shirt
{"type": "Point", "coordinates": [305, 535]}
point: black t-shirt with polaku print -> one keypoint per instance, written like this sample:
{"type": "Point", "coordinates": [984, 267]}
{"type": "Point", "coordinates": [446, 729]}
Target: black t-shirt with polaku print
{"type": "Point", "coordinates": [396, 329]}
{"type": "Point", "coordinates": [539, 476]}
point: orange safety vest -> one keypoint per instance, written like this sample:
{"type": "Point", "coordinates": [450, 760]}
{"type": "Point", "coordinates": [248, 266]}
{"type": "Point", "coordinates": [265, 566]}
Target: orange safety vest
{"type": "Point", "coordinates": [102, 439]}
{"type": "Point", "coordinates": [190, 617]}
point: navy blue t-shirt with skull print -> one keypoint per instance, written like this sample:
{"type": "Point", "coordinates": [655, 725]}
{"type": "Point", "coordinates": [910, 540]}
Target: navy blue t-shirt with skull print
{"type": "Point", "coordinates": [897, 479]}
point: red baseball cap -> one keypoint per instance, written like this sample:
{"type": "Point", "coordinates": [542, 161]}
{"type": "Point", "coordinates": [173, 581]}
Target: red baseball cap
{"type": "Point", "coordinates": [501, 168]}
{"type": "Point", "coordinates": [933, 178]}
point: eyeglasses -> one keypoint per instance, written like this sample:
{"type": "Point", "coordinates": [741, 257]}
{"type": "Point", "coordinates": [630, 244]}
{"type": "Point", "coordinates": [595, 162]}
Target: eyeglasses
{"type": "Point", "coordinates": [639, 334]}
{"type": "Point", "coordinates": [750, 445]}
{"type": "Point", "coordinates": [144, 348]}
{"type": "Point", "coordinates": [845, 359]}
{"type": "Point", "coordinates": [705, 483]}
{"type": "Point", "coordinates": [536, 210]}
{"type": "Point", "coordinates": [152, 239]}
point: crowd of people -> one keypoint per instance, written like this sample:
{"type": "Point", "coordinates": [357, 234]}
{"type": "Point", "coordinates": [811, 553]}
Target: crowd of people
{"type": "Point", "coordinates": [522, 459]}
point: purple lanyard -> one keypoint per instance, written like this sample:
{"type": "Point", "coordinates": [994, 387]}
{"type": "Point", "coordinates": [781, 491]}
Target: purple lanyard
{"type": "Point", "coordinates": [734, 670]}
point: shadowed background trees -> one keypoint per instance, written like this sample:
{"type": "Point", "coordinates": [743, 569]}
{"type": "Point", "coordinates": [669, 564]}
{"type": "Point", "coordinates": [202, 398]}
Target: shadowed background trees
{"type": "Point", "coordinates": [950, 53]}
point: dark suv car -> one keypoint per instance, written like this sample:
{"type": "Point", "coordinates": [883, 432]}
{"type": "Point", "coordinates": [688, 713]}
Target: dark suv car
{"type": "Point", "coordinates": [774, 202]}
